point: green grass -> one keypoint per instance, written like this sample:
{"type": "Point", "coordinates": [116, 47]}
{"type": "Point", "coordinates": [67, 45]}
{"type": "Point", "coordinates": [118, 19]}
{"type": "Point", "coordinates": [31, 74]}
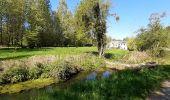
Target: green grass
{"type": "Point", "coordinates": [122, 85]}
{"type": "Point", "coordinates": [6, 54]}
{"type": "Point", "coordinates": [115, 54]}
{"type": "Point", "coordinates": [22, 53]}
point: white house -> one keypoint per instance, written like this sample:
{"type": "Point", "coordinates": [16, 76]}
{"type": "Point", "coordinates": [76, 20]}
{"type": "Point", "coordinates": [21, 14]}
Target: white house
{"type": "Point", "coordinates": [118, 44]}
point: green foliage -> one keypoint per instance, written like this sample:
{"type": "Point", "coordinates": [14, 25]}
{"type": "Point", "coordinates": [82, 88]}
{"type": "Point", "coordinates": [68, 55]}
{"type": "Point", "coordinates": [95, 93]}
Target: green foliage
{"type": "Point", "coordinates": [32, 39]}
{"type": "Point", "coordinates": [91, 19]}
{"type": "Point", "coordinates": [154, 38]}
{"type": "Point", "coordinates": [14, 75]}
{"type": "Point", "coordinates": [131, 42]}
{"type": "Point", "coordinates": [63, 68]}
{"type": "Point", "coordinates": [158, 52]}
{"type": "Point", "coordinates": [30, 23]}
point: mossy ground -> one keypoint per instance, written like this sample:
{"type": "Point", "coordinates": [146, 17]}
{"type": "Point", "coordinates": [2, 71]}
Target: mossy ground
{"type": "Point", "coordinates": [38, 83]}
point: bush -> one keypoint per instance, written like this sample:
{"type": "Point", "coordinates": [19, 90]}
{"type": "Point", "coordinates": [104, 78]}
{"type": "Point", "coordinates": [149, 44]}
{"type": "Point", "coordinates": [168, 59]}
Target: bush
{"type": "Point", "coordinates": [40, 70]}
{"type": "Point", "coordinates": [136, 57]}
{"type": "Point", "coordinates": [34, 73]}
{"type": "Point", "coordinates": [157, 52]}
{"type": "Point", "coordinates": [132, 44]}
{"type": "Point", "coordinates": [14, 75]}
{"type": "Point", "coordinates": [32, 39]}
{"type": "Point", "coordinates": [62, 70]}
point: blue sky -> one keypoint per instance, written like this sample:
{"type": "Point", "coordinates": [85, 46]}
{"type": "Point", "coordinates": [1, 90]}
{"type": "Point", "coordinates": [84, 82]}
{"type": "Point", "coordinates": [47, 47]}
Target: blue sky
{"type": "Point", "coordinates": [133, 14]}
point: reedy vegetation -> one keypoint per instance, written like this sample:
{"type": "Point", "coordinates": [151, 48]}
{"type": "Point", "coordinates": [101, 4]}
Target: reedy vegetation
{"type": "Point", "coordinates": [60, 68]}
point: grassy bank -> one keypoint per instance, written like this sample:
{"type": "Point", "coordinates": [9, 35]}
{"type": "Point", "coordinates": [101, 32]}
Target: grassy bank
{"type": "Point", "coordinates": [58, 63]}
{"type": "Point", "coordinates": [122, 85]}
{"type": "Point", "coordinates": [61, 68]}
{"type": "Point", "coordinates": [19, 65]}
{"type": "Point", "coordinates": [38, 83]}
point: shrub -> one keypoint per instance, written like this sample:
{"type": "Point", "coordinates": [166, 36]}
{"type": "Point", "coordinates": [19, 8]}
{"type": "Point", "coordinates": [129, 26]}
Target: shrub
{"type": "Point", "coordinates": [136, 57]}
{"type": "Point", "coordinates": [14, 75]}
{"type": "Point", "coordinates": [40, 70]}
{"type": "Point", "coordinates": [66, 67]}
{"type": "Point", "coordinates": [62, 70]}
{"type": "Point", "coordinates": [132, 44]}
{"type": "Point", "coordinates": [34, 73]}
{"type": "Point", "coordinates": [157, 52]}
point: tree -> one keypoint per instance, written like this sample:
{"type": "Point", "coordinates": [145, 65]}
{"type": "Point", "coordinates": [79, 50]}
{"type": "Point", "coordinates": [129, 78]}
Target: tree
{"type": "Point", "coordinates": [1, 21]}
{"type": "Point", "coordinates": [66, 21]}
{"type": "Point", "coordinates": [39, 19]}
{"type": "Point", "coordinates": [154, 37]}
{"type": "Point", "coordinates": [91, 16]}
{"type": "Point", "coordinates": [32, 39]}
{"type": "Point", "coordinates": [131, 44]}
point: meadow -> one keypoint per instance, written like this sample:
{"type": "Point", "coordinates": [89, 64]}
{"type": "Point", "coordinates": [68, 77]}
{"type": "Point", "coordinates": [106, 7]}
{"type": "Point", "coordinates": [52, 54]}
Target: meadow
{"type": "Point", "coordinates": [20, 65]}
{"type": "Point", "coordinates": [11, 53]}
{"type": "Point", "coordinates": [126, 84]}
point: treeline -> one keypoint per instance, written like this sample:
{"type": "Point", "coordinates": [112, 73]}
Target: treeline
{"type": "Point", "coordinates": [155, 38]}
{"type": "Point", "coordinates": [32, 23]}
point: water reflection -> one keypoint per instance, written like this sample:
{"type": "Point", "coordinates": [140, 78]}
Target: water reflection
{"type": "Point", "coordinates": [92, 76]}
{"type": "Point", "coordinates": [106, 74]}
{"type": "Point", "coordinates": [33, 94]}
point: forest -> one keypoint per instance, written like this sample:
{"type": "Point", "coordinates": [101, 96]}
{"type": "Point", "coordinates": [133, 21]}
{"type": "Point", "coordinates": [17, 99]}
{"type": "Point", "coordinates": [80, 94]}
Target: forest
{"type": "Point", "coordinates": [32, 23]}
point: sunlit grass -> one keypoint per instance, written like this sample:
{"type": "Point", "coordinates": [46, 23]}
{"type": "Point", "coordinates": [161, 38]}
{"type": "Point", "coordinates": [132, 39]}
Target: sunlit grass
{"type": "Point", "coordinates": [11, 53]}
{"type": "Point", "coordinates": [123, 85]}
{"type": "Point", "coordinates": [22, 53]}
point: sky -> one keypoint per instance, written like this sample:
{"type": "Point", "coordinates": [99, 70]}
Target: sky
{"type": "Point", "coordinates": [133, 14]}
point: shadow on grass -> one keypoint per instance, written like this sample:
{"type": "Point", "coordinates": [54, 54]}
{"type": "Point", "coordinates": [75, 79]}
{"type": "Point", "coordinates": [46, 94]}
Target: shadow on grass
{"type": "Point", "coordinates": [163, 94]}
{"type": "Point", "coordinates": [24, 49]}
{"type": "Point", "coordinates": [15, 57]}
{"type": "Point", "coordinates": [107, 55]}
{"type": "Point", "coordinates": [12, 53]}
{"type": "Point", "coordinates": [122, 85]}
{"type": "Point", "coordinates": [93, 53]}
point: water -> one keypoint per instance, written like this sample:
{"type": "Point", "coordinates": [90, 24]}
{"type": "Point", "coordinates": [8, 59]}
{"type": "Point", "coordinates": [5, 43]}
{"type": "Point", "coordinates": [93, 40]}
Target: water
{"type": "Point", "coordinates": [35, 94]}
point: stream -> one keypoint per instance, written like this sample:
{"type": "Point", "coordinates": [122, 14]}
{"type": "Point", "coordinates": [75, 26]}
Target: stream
{"type": "Point", "coordinates": [35, 94]}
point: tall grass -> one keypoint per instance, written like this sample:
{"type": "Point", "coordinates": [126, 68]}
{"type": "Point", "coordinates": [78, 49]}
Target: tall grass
{"type": "Point", "coordinates": [123, 85]}
{"type": "Point", "coordinates": [59, 67]}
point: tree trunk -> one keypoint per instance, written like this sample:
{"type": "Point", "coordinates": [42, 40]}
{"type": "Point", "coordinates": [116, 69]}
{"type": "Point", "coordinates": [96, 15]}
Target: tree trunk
{"type": "Point", "coordinates": [100, 30]}
{"type": "Point", "coordinates": [101, 46]}
{"type": "Point", "coordinates": [1, 31]}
